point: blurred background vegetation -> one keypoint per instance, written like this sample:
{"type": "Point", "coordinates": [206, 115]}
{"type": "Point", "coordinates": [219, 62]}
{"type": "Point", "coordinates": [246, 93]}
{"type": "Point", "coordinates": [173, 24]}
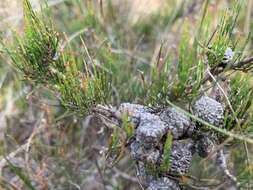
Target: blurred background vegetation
{"type": "Point", "coordinates": [141, 46]}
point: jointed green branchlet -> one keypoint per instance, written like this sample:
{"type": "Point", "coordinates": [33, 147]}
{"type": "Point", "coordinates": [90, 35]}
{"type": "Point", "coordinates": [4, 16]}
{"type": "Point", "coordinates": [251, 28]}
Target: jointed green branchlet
{"type": "Point", "coordinates": [223, 36]}
{"type": "Point", "coordinates": [40, 57]}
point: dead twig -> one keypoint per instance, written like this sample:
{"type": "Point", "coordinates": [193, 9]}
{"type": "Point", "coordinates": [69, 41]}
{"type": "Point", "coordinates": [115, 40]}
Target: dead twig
{"type": "Point", "coordinates": [125, 176]}
{"type": "Point", "coordinates": [100, 174]}
{"type": "Point", "coordinates": [243, 65]}
{"type": "Point", "coordinates": [25, 147]}
{"type": "Point", "coordinates": [13, 186]}
{"type": "Point", "coordinates": [3, 161]}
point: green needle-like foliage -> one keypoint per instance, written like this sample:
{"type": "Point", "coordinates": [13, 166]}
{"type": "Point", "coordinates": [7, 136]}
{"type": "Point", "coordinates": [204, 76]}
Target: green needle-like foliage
{"type": "Point", "coordinates": [185, 82]}
{"type": "Point", "coordinates": [223, 37]}
{"type": "Point", "coordinates": [189, 69]}
{"type": "Point", "coordinates": [159, 87]}
{"type": "Point", "coordinates": [36, 53]}
{"type": "Point", "coordinates": [241, 101]}
{"type": "Point", "coordinates": [107, 59]}
{"type": "Point", "coordinates": [39, 56]}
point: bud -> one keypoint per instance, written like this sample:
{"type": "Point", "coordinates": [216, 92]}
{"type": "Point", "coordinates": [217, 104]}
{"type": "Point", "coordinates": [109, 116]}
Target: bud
{"type": "Point", "coordinates": [228, 55]}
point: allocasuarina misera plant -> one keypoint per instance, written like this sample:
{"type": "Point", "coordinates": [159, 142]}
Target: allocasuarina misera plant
{"type": "Point", "coordinates": [191, 113]}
